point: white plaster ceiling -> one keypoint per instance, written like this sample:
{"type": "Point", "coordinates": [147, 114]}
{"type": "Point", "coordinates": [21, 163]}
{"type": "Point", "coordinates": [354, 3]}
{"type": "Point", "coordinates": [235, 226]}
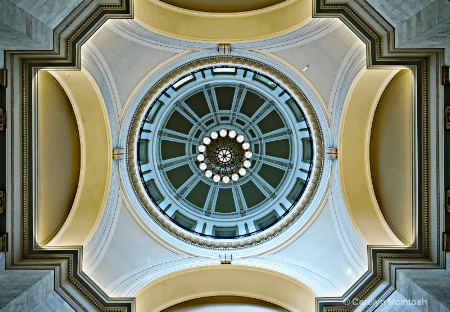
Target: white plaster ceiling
{"type": "Point", "coordinates": [122, 256]}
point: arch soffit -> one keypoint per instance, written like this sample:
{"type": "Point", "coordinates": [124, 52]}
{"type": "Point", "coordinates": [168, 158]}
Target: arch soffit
{"type": "Point", "coordinates": [95, 158]}
{"type": "Point", "coordinates": [222, 27]}
{"type": "Point", "coordinates": [354, 156]}
{"type": "Point", "coordinates": [196, 283]}
{"type": "Point", "coordinates": [58, 157]}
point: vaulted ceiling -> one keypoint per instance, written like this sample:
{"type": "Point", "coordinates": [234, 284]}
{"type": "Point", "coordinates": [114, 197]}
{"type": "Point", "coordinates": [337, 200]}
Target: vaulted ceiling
{"type": "Point", "coordinates": [366, 209]}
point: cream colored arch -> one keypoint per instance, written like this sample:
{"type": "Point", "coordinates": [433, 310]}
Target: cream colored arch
{"type": "Point", "coordinates": [222, 27]}
{"type": "Point", "coordinates": [225, 280]}
{"type": "Point", "coordinates": [95, 158]}
{"type": "Point", "coordinates": [354, 155]}
{"type": "Point", "coordinates": [391, 156]}
{"type": "Point", "coordinates": [225, 304]}
{"type": "Point", "coordinates": [58, 157]}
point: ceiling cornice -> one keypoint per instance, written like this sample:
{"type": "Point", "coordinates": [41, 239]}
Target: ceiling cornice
{"type": "Point", "coordinates": [381, 52]}
{"type": "Point", "coordinates": [69, 36]}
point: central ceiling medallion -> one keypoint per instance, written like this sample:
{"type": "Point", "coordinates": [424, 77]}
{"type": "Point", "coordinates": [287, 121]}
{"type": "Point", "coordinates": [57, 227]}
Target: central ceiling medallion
{"type": "Point", "coordinates": [224, 156]}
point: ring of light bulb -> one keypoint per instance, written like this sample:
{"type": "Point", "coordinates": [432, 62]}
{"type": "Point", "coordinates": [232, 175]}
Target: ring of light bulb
{"type": "Point", "coordinates": [224, 156]}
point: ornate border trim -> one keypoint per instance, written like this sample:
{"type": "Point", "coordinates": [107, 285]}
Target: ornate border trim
{"type": "Point", "coordinates": [70, 282]}
{"type": "Point", "coordinates": [133, 173]}
{"type": "Point", "coordinates": [381, 52]}
{"type": "Point", "coordinates": [379, 38]}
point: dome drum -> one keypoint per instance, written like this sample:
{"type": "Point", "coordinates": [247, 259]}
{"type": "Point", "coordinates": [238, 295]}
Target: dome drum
{"type": "Point", "coordinates": [275, 137]}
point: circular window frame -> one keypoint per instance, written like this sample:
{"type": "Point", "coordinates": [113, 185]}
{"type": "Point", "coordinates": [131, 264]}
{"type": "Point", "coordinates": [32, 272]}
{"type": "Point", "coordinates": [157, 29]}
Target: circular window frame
{"type": "Point", "coordinates": [207, 241]}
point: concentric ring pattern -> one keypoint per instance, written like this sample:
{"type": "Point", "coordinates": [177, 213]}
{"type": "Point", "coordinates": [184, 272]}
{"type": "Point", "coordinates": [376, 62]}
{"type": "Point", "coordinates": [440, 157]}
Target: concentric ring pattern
{"type": "Point", "coordinates": [206, 101]}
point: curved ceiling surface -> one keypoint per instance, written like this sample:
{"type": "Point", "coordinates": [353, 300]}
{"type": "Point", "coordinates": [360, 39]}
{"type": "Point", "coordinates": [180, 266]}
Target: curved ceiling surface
{"type": "Point", "coordinates": [218, 149]}
{"type": "Point", "coordinates": [177, 106]}
{"type": "Point", "coordinates": [215, 27]}
{"type": "Point", "coordinates": [181, 112]}
{"type": "Point", "coordinates": [177, 112]}
{"type": "Point", "coordinates": [231, 107]}
{"type": "Point", "coordinates": [219, 6]}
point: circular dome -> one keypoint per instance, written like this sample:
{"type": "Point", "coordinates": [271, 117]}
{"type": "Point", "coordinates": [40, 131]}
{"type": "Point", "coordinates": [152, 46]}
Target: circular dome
{"type": "Point", "coordinates": [224, 152]}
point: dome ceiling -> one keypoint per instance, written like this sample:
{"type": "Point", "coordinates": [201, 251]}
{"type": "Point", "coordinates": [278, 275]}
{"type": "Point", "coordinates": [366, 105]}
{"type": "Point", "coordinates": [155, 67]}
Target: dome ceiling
{"type": "Point", "coordinates": [174, 107]}
{"type": "Point", "coordinates": [218, 150]}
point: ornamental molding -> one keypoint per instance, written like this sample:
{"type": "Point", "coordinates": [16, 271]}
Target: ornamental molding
{"type": "Point", "coordinates": [157, 215]}
{"type": "Point", "coordinates": [313, 30]}
{"type": "Point", "coordinates": [133, 31]}
{"type": "Point", "coordinates": [72, 283]}
{"type": "Point", "coordinates": [131, 283]}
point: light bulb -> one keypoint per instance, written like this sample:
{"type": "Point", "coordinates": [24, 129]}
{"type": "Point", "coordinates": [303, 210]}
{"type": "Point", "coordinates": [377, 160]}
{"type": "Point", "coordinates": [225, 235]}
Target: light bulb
{"type": "Point", "coordinates": [216, 178]}
{"type": "Point", "coordinates": [203, 166]}
{"type": "Point", "coordinates": [247, 163]}
{"type": "Point", "coordinates": [242, 171]}
{"type": "Point", "coordinates": [226, 179]}
{"type": "Point", "coordinates": [223, 132]}
{"type": "Point", "coordinates": [248, 154]}
{"type": "Point", "coordinates": [232, 134]}
{"type": "Point", "coordinates": [234, 177]}
{"type": "Point", "coordinates": [208, 173]}
{"type": "Point", "coordinates": [201, 157]}
{"type": "Point", "coordinates": [206, 140]}
{"type": "Point", "coordinates": [240, 138]}
{"type": "Point", "coordinates": [201, 148]}
{"type": "Point", "coordinates": [214, 135]}
{"type": "Point", "coordinates": [246, 145]}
